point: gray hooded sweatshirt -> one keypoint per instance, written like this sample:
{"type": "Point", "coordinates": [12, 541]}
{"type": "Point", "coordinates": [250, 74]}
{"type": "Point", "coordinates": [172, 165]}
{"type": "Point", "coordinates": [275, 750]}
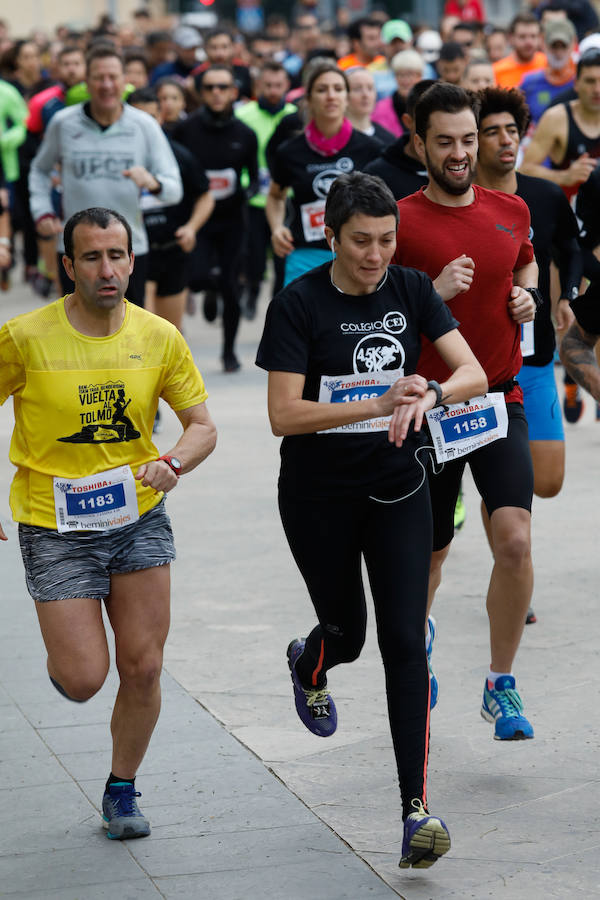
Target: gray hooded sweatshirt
{"type": "Point", "coordinates": [91, 161]}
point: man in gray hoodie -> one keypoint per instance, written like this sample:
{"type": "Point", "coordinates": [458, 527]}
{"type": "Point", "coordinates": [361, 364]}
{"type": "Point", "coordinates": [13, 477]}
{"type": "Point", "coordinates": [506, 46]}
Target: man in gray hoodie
{"type": "Point", "coordinates": [108, 154]}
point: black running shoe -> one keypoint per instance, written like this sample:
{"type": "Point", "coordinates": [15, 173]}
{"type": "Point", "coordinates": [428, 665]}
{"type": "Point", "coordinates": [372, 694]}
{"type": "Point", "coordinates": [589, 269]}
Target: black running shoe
{"type": "Point", "coordinates": [231, 363]}
{"type": "Point", "coordinates": [210, 305]}
{"type": "Point", "coordinates": [531, 617]}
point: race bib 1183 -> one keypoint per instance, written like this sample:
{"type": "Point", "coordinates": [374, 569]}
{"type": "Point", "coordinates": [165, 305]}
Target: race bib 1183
{"type": "Point", "coordinates": [99, 502]}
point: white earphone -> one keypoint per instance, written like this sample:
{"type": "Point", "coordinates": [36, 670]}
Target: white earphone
{"type": "Point", "coordinates": [333, 245]}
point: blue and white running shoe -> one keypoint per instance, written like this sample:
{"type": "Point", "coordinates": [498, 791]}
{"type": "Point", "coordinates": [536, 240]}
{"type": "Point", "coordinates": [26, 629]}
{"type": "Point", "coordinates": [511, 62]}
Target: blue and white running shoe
{"type": "Point", "coordinates": [314, 706]}
{"type": "Point", "coordinates": [120, 813]}
{"type": "Point", "coordinates": [504, 706]}
{"type": "Point", "coordinates": [433, 682]}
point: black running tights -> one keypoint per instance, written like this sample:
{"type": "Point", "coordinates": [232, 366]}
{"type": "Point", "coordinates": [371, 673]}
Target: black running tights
{"type": "Point", "coordinates": [328, 537]}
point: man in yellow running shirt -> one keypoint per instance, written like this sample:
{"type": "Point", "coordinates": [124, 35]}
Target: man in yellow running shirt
{"type": "Point", "coordinates": [89, 489]}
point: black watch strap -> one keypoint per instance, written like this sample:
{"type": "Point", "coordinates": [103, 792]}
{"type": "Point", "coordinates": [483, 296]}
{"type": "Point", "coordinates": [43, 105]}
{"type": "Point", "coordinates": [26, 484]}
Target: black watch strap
{"type": "Point", "coordinates": [537, 296]}
{"type": "Point", "coordinates": [435, 386]}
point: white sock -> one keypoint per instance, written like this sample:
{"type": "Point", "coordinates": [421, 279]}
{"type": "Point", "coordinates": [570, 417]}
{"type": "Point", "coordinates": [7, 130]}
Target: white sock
{"type": "Point", "coordinates": [492, 676]}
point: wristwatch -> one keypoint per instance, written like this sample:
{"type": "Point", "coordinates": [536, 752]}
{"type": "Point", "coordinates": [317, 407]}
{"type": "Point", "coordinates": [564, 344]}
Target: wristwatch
{"type": "Point", "coordinates": [574, 294]}
{"type": "Point", "coordinates": [436, 388]}
{"type": "Point", "coordinates": [537, 296]}
{"type": "Point", "coordinates": [173, 463]}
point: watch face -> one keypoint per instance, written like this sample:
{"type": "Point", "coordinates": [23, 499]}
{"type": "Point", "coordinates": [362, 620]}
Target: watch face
{"type": "Point", "coordinates": [175, 462]}
{"type": "Point", "coordinates": [574, 293]}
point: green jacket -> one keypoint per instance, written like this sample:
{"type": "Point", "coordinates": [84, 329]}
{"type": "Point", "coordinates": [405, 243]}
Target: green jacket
{"type": "Point", "coordinates": [13, 113]}
{"type": "Point", "coordinates": [263, 124]}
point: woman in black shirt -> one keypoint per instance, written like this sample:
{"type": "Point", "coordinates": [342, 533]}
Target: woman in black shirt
{"type": "Point", "coordinates": [341, 346]}
{"type": "Point", "coordinates": [309, 163]}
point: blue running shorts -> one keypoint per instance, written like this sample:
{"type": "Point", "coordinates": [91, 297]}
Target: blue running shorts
{"type": "Point", "coordinates": [542, 406]}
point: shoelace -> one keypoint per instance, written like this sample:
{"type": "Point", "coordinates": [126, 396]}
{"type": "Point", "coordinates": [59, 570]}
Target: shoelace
{"type": "Point", "coordinates": [316, 696]}
{"type": "Point", "coordinates": [418, 806]}
{"type": "Point", "coordinates": [509, 701]}
{"type": "Point", "coordinates": [126, 803]}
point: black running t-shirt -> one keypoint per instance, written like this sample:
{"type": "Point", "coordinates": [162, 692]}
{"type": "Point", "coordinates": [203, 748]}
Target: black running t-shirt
{"type": "Point", "coordinates": [313, 329]}
{"type": "Point", "coordinates": [297, 165]}
{"type": "Point", "coordinates": [554, 235]}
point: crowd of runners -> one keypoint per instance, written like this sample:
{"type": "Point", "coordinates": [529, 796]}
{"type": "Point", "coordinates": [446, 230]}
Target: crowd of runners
{"type": "Point", "coordinates": [422, 204]}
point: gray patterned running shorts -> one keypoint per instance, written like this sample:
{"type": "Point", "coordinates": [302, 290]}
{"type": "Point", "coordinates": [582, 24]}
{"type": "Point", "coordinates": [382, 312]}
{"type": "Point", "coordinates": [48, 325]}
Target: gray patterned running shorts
{"type": "Point", "coordinates": [64, 566]}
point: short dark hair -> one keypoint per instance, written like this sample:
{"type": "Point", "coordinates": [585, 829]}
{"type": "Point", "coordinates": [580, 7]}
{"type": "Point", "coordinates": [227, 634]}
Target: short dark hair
{"type": "Point", "coordinates": [588, 59]}
{"type": "Point", "coordinates": [136, 56]}
{"type": "Point", "coordinates": [451, 51]}
{"type": "Point", "coordinates": [273, 66]}
{"type": "Point", "coordinates": [217, 67]}
{"type": "Point", "coordinates": [355, 28]}
{"type": "Point", "coordinates": [142, 95]}
{"type": "Point", "coordinates": [415, 94]}
{"type": "Point", "coordinates": [102, 50]}
{"type": "Point", "coordinates": [321, 68]}
{"type": "Point", "coordinates": [498, 100]}
{"type": "Point", "coordinates": [170, 81]}
{"type": "Point", "coordinates": [217, 32]}
{"type": "Point", "coordinates": [95, 215]}
{"type": "Point", "coordinates": [523, 18]}
{"type": "Point", "coordinates": [158, 37]}
{"type": "Point", "coordinates": [466, 26]}
{"type": "Point", "coordinates": [355, 193]}
{"type": "Point", "coordinates": [66, 51]}
{"type": "Point", "coordinates": [443, 97]}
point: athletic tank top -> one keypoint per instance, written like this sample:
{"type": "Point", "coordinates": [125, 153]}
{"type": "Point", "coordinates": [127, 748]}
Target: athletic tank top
{"type": "Point", "coordinates": [577, 143]}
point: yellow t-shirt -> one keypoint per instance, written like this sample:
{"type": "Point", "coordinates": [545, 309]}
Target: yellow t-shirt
{"type": "Point", "coordinates": [84, 404]}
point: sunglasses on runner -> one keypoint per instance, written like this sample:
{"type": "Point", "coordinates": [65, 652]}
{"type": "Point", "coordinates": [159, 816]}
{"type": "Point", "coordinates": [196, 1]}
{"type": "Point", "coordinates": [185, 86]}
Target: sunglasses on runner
{"type": "Point", "coordinates": [216, 87]}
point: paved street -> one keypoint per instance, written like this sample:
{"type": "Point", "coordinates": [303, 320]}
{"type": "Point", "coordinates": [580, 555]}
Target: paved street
{"type": "Point", "coordinates": [244, 802]}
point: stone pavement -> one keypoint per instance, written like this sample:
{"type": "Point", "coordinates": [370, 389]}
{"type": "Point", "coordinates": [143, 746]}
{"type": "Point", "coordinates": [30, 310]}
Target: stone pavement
{"type": "Point", "coordinates": [243, 801]}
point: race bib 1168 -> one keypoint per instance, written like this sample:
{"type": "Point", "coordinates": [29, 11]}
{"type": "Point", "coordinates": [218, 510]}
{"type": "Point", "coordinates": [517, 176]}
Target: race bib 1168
{"type": "Point", "coordinates": [349, 388]}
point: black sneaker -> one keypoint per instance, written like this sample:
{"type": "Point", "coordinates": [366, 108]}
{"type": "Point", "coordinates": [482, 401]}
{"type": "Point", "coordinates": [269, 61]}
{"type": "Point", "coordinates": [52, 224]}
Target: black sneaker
{"type": "Point", "coordinates": [210, 305]}
{"type": "Point", "coordinates": [531, 617]}
{"type": "Point", "coordinates": [231, 363]}
{"type": "Point", "coordinates": [250, 302]}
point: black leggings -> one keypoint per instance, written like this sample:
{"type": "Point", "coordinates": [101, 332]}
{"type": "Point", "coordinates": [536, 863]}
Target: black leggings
{"type": "Point", "coordinates": [221, 246]}
{"type": "Point", "coordinates": [328, 537]}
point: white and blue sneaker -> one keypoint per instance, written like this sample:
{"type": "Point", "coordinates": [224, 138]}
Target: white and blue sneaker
{"type": "Point", "coordinates": [503, 706]}
{"type": "Point", "coordinates": [433, 682]}
{"type": "Point", "coordinates": [120, 813]}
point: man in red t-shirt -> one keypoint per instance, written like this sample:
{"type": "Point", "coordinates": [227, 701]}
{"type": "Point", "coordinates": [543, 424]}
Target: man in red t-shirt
{"type": "Point", "coordinates": [474, 243]}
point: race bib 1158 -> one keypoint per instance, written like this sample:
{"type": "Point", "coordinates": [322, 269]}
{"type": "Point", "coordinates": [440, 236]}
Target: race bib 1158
{"type": "Point", "coordinates": [460, 428]}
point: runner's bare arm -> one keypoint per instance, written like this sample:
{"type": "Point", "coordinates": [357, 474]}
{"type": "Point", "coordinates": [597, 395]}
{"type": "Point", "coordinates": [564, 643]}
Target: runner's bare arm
{"type": "Point", "coordinates": [195, 444]}
{"type": "Point", "coordinates": [455, 278]}
{"type": "Point", "coordinates": [521, 304]}
{"type": "Point", "coordinates": [467, 380]}
{"type": "Point", "coordinates": [289, 413]}
{"type": "Point", "coordinates": [281, 236]}
{"type": "Point", "coordinates": [186, 234]}
{"type": "Point", "coordinates": [549, 140]}
{"type": "Point", "coordinates": [578, 357]}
